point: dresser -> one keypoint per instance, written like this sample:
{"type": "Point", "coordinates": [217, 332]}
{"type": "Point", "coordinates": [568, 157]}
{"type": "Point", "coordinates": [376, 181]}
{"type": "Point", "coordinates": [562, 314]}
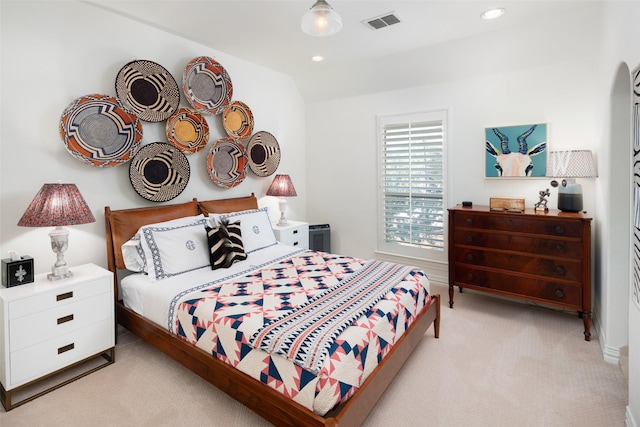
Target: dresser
{"type": "Point", "coordinates": [296, 233]}
{"type": "Point", "coordinates": [535, 256]}
{"type": "Point", "coordinates": [48, 327]}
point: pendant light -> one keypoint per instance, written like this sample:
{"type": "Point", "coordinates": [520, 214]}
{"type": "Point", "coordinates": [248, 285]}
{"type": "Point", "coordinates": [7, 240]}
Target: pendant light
{"type": "Point", "coordinates": [321, 20]}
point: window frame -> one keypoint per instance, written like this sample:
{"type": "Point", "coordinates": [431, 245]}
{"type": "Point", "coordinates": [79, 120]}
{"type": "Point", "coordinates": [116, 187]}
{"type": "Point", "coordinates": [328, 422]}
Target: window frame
{"type": "Point", "coordinates": [406, 250]}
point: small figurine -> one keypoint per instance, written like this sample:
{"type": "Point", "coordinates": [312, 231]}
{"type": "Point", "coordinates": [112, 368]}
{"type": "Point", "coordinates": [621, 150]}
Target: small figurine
{"type": "Point", "coordinates": [541, 206]}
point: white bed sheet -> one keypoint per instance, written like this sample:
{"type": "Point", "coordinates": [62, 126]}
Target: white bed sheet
{"type": "Point", "coordinates": [152, 299]}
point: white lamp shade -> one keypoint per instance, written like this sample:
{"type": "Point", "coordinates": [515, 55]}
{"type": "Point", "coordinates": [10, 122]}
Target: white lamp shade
{"type": "Point", "coordinates": [321, 20]}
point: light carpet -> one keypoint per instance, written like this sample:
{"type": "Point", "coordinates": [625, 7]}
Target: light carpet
{"type": "Point", "coordinates": [497, 363]}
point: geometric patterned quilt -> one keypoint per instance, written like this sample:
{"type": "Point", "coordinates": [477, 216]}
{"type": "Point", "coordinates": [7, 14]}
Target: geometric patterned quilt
{"type": "Point", "coordinates": [222, 318]}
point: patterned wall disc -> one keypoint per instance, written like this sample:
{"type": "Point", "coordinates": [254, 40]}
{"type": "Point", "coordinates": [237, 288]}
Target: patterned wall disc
{"type": "Point", "coordinates": [227, 163]}
{"type": "Point", "coordinates": [98, 131]}
{"type": "Point", "coordinates": [263, 151]}
{"type": "Point", "coordinates": [207, 85]}
{"type": "Point", "coordinates": [188, 130]}
{"type": "Point", "coordinates": [159, 172]}
{"type": "Point", "coordinates": [148, 90]}
{"type": "Point", "coordinates": [237, 120]}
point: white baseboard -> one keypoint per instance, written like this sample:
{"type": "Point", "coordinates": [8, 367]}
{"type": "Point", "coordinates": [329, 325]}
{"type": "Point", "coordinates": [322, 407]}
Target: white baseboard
{"type": "Point", "coordinates": [629, 421]}
{"type": "Point", "coordinates": [609, 354]}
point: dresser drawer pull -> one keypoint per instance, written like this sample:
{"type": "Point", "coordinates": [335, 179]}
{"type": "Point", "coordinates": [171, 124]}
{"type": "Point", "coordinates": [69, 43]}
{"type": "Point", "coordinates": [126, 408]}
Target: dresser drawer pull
{"type": "Point", "coordinates": [470, 257]}
{"type": "Point", "coordinates": [295, 231]}
{"type": "Point", "coordinates": [560, 249]}
{"type": "Point", "coordinates": [560, 270]}
{"type": "Point", "coordinates": [469, 221]}
{"type": "Point", "coordinates": [469, 276]}
{"type": "Point", "coordinates": [64, 296]}
{"type": "Point", "coordinates": [559, 229]}
{"type": "Point", "coordinates": [66, 348]}
{"type": "Point", "coordinates": [469, 238]}
{"type": "Point", "coordinates": [65, 319]}
{"type": "Point", "coordinates": [559, 293]}
{"type": "Point", "coordinates": [295, 243]}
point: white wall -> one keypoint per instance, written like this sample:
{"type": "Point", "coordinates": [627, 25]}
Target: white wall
{"type": "Point", "coordinates": [55, 52]}
{"type": "Point", "coordinates": [620, 52]}
{"type": "Point", "coordinates": [549, 88]}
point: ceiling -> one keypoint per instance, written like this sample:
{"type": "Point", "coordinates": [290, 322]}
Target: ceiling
{"type": "Point", "coordinates": [267, 32]}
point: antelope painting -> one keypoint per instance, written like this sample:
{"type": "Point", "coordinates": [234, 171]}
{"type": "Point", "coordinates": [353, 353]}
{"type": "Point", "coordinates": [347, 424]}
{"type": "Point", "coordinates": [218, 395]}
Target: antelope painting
{"type": "Point", "coordinates": [517, 163]}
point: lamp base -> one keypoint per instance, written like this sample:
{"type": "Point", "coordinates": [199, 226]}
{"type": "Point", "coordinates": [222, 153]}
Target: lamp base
{"type": "Point", "coordinates": [570, 202]}
{"type": "Point", "coordinates": [59, 273]}
{"type": "Point", "coordinates": [59, 244]}
{"type": "Point", "coordinates": [570, 196]}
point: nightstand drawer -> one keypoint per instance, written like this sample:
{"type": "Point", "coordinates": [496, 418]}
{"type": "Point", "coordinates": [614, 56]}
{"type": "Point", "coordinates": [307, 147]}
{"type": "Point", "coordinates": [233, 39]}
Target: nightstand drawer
{"type": "Point", "coordinates": [298, 236]}
{"type": "Point", "coordinates": [39, 327]}
{"type": "Point", "coordinates": [295, 233]}
{"type": "Point", "coordinates": [60, 296]}
{"type": "Point", "coordinates": [38, 360]}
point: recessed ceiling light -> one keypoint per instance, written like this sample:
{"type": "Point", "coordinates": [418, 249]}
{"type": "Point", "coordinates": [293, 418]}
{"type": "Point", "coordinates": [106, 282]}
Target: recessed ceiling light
{"type": "Point", "coordinates": [317, 58]}
{"type": "Point", "coordinates": [493, 13]}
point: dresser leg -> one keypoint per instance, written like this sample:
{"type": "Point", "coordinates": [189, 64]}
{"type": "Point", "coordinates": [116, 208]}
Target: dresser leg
{"type": "Point", "coordinates": [586, 318]}
{"type": "Point", "coordinates": [451, 292]}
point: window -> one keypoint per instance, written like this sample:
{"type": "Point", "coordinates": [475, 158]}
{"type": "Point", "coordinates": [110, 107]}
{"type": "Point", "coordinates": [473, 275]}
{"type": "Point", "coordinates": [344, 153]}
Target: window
{"type": "Point", "coordinates": [412, 184]}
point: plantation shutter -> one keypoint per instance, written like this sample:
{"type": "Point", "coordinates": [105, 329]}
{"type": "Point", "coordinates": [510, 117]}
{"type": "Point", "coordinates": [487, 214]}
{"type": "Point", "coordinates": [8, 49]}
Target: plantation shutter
{"type": "Point", "coordinates": [413, 182]}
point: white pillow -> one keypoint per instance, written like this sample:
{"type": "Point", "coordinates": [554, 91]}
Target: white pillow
{"type": "Point", "coordinates": [175, 247]}
{"type": "Point", "coordinates": [255, 227]}
{"type": "Point", "coordinates": [133, 255]}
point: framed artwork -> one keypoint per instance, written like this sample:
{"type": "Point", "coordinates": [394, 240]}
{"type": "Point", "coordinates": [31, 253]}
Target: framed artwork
{"type": "Point", "coordinates": [516, 151]}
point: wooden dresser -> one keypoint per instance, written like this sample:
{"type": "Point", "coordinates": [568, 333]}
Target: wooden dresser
{"type": "Point", "coordinates": [536, 256]}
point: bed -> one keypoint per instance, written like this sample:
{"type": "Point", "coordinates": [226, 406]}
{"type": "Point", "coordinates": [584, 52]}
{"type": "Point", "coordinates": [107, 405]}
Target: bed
{"type": "Point", "coordinates": [189, 336]}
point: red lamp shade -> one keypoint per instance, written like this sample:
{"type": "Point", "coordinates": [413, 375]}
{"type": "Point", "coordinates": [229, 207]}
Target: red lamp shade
{"type": "Point", "coordinates": [57, 205]}
{"type": "Point", "coordinates": [282, 187]}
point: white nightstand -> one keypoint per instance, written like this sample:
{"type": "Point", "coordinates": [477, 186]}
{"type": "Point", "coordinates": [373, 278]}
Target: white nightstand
{"type": "Point", "coordinates": [47, 327]}
{"type": "Point", "coordinates": [296, 234]}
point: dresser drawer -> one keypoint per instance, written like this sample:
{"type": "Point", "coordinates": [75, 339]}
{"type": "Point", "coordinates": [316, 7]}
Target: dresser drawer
{"type": "Point", "coordinates": [41, 301]}
{"type": "Point", "coordinates": [39, 327]}
{"type": "Point", "coordinates": [553, 269]}
{"type": "Point", "coordinates": [38, 360]}
{"type": "Point", "coordinates": [565, 294]}
{"type": "Point", "coordinates": [521, 224]}
{"type": "Point", "coordinates": [560, 247]}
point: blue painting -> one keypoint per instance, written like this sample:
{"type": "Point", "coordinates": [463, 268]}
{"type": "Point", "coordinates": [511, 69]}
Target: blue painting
{"type": "Point", "coordinates": [516, 151]}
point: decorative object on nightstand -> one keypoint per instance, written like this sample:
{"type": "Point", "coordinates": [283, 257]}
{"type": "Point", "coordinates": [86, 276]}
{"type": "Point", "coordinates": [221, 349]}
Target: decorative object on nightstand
{"type": "Point", "coordinates": [57, 205]}
{"type": "Point", "coordinates": [569, 165]}
{"type": "Point", "coordinates": [17, 270]}
{"type": "Point", "coordinates": [282, 187]}
{"type": "Point", "coordinates": [321, 20]}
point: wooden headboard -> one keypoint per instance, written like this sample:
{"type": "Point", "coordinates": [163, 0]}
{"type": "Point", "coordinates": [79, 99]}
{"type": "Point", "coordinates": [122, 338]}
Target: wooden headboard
{"type": "Point", "coordinates": [122, 225]}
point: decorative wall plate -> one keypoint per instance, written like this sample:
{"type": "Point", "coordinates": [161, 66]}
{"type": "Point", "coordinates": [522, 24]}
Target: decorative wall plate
{"type": "Point", "coordinates": [159, 172]}
{"type": "Point", "coordinates": [207, 85]}
{"type": "Point", "coordinates": [148, 90]}
{"type": "Point", "coordinates": [188, 130]}
{"type": "Point", "coordinates": [227, 163]}
{"type": "Point", "coordinates": [263, 151]}
{"type": "Point", "coordinates": [237, 120]}
{"type": "Point", "coordinates": [98, 131]}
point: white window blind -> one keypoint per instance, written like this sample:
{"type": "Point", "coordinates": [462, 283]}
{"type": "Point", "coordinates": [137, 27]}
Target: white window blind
{"type": "Point", "coordinates": [412, 185]}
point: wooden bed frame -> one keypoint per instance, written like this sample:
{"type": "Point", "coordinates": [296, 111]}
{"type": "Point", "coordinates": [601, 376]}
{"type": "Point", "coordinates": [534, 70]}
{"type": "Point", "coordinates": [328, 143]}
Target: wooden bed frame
{"type": "Point", "coordinates": [121, 225]}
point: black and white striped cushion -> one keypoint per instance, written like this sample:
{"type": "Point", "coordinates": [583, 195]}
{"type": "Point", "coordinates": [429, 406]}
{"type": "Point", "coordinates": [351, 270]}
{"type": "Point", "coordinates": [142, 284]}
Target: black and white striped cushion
{"type": "Point", "coordinates": [225, 244]}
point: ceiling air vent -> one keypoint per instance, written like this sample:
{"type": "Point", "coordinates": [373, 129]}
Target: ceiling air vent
{"type": "Point", "coordinates": [382, 21]}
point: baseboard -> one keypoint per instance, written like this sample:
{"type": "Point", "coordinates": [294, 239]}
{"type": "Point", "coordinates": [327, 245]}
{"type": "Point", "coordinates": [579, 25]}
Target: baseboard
{"type": "Point", "coordinates": [609, 354]}
{"type": "Point", "coordinates": [629, 421]}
